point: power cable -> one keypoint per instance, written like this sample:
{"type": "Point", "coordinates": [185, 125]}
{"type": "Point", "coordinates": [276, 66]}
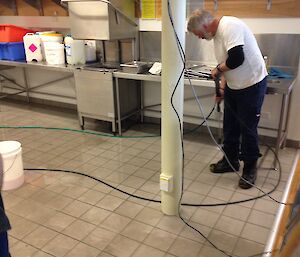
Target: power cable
{"type": "Point", "coordinates": [200, 125]}
{"type": "Point", "coordinates": [146, 199]}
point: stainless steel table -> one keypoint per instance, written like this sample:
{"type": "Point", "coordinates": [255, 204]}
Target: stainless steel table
{"type": "Point", "coordinates": [282, 87]}
{"type": "Point", "coordinates": [154, 78]}
{"type": "Point", "coordinates": [4, 65]}
{"type": "Point", "coordinates": [42, 65]}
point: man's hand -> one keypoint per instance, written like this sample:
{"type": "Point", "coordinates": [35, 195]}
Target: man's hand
{"type": "Point", "coordinates": [215, 73]}
{"type": "Point", "coordinates": [220, 98]}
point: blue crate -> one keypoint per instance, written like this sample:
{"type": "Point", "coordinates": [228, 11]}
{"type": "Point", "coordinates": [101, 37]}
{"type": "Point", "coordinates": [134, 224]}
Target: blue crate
{"type": "Point", "coordinates": [14, 51]}
{"type": "Point", "coordinates": [1, 53]}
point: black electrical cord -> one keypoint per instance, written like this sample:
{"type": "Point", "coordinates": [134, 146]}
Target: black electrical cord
{"type": "Point", "coordinates": [186, 132]}
{"type": "Point", "coordinates": [182, 55]}
{"type": "Point", "coordinates": [143, 198]}
{"type": "Point", "coordinates": [200, 125]}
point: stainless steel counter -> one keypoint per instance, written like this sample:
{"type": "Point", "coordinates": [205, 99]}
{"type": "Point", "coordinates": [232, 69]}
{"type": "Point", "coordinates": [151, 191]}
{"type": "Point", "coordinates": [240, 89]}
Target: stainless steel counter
{"type": "Point", "coordinates": [40, 65]}
{"type": "Point", "coordinates": [275, 86]}
{"type": "Point", "coordinates": [282, 87]}
{"type": "Point", "coordinates": [279, 86]}
{"type": "Point", "coordinates": [157, 78]}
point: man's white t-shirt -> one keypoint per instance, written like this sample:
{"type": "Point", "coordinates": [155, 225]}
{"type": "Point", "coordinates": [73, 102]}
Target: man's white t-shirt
{"type": "Point", "coordinates": [232, 32]}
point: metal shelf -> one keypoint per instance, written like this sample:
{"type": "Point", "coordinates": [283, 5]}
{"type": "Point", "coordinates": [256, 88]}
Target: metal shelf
{"type": "Point", "coordinates": [37, 4]}
{"type": "Point", "coordinates": [11, 4]}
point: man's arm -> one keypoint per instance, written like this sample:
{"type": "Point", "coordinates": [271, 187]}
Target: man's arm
{"type": "Point", "coordinates": [235, 59]}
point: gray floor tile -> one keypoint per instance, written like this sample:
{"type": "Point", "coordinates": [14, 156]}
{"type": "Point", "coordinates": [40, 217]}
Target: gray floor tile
{"type": "Point", "coordinates": [64, 215]}
{"type": "Point", "coordinates": [122, 246]}
{"type": "Point", "coordinates": [160, 239]}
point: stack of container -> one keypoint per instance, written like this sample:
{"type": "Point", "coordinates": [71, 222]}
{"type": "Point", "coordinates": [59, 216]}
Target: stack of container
{"type": "Point", "coordinates": [20, 44]}
{"type": "Point", "coordinates": [44, 46]}
{"type": "Point", "coordinates": [11, 42]}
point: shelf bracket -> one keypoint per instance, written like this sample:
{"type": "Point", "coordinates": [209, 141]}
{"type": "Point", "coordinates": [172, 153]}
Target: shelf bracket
{"type": "Point", "coordinates": [269, 5]}
{"type": "Point", "coordinates": [11, 4]}
{"type": "Point", "coordinates": [37, 4]}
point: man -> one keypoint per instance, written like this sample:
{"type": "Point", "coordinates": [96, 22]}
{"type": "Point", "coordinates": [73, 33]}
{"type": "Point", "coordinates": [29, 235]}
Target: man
{"type": "Point", "coordinates": [4, 222]}
{"type": "Point", "coordinates": [243, 86]}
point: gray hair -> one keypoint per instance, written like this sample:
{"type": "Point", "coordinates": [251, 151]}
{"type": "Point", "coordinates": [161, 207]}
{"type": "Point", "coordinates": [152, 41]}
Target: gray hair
{"type": "Point", "coordinates": [199, 18]}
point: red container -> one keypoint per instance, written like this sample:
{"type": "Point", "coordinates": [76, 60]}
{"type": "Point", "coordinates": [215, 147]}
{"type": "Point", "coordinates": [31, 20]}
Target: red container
{"type": "Point", "coordinates": [11, 33]}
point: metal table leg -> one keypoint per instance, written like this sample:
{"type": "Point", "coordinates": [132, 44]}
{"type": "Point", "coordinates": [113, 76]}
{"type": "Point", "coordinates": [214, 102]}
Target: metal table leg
{"type": "Point", "coordinates": [26, 84]}
{"type": "Point", "coordinates": [279, 130]}
{"type": "Point", "coordinates": [118, 107]}
{"type": "Point", "coordinates": [142, 102]}
{"type": "Point", "coordinates": [287, 119]}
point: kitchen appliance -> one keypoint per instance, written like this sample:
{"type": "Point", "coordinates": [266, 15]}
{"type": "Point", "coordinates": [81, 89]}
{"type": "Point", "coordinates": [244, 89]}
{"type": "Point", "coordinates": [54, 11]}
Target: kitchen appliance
{"type": "Point", "coordinates": [96, 94]}
{"type": "Point", "coordinates": [102, 19]}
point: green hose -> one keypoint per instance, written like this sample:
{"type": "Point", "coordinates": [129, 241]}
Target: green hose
{"type": "Point", "coordinates": [76, 130]}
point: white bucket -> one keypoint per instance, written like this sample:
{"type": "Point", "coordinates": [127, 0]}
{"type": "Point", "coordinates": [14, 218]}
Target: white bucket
{"type": "Point", "coordinates": [49, 37]}
{"type": "Point", "coordinates": [12, 168]}
{"type": "Point", "coordinates": [54, 52]}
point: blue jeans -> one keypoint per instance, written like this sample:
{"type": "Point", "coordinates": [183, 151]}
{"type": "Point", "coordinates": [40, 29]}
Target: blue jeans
{"type": "Point", "coordinates": [241, 116]}
{"type": "Point", "coordinates": [4, 245]}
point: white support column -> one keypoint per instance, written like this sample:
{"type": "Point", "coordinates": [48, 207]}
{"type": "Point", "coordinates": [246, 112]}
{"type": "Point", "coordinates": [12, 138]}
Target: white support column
{"type": "Point", "coordinates": [171, 158]}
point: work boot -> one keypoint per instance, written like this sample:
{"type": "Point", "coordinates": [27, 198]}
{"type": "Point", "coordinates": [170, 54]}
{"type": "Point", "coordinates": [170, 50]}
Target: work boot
{"type": "Point", "coordinates": [249, 174]}
{"type": "Point", "coordinates": [223, 166]}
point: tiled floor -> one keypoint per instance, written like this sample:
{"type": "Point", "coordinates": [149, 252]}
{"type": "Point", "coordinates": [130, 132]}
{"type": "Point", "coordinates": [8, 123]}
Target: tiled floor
{"type": "Point", "coordinates": [67, 215]}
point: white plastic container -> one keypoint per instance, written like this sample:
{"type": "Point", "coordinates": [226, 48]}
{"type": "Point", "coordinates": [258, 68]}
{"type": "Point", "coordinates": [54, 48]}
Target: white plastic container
{"type": "Point", "coordinates": [55, 53]}
{"type": "Point", "coordinates": [90, 51]}
{"type": "Point", "coordinates": [32, 45]}
{"type": "Point", "coordinates": [75, 51]}
{"type": "Point", "coordinates": [12, 164]}
{"type": "Point", "coordinates": [50, 37]}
